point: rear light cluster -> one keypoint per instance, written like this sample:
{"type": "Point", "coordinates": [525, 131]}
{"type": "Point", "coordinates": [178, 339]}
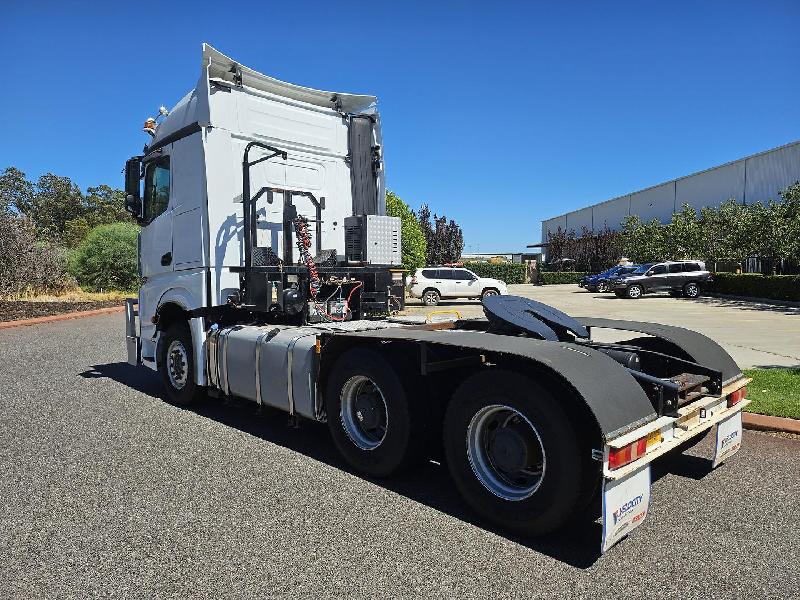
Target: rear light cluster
{"type": "Point", "coordinates": [619, 457]}
{"type": "Point", "coordinates": [735, 397]}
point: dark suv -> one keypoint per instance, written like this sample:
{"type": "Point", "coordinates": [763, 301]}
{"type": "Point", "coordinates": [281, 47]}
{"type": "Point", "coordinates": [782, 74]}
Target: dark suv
{"type": "Point", "coordinates": [679, 278]}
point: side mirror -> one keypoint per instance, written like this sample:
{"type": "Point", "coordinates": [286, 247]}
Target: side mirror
{"type": "Point", "coordinates": [133, 175]}
{"type": "Point", "coordinates": [649, 274]}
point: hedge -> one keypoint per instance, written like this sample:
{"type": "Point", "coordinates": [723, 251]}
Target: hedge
{"type": "Point", "coordinates": [776, 287]}
{"type": "Point", "coordinates": [555, 277]}
{"type": "Point", "coordinates": [508, 272]}
{"type": "Point", "coordinates": [107, 258]}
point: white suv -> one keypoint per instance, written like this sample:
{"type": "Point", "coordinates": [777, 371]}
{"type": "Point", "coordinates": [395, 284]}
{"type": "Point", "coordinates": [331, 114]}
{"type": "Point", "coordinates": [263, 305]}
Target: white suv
{"type": "Point", "coordinates": [434, 283]}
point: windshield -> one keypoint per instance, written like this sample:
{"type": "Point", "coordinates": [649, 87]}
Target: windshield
{"type": "Point", "coordinates": [642, 269]}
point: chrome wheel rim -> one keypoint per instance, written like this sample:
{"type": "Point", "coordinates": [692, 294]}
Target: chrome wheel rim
{"type": "Point", "coordinates": [691, 290]}
{"type": "Point", "coordinates": [634, 292]}
{"type": "Point", "coordinates": [506, 452]}
{"type": "Point", "coordinates": [177, 364]}
{"type": "Point", "coordinates": [364, 414]}
{"type": "Point", "coordinates": [431, 298]}
{"type": "Point", "coordinates": [489, 293]}
{"type": "Point", "coordinates": [601, 287]}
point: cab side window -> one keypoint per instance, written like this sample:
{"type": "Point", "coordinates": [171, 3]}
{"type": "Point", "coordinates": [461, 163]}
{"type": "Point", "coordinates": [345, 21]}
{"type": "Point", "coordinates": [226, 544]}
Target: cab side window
{"type": "Point", "coordinates": [658, 270]}
{"type": "Point", "coordinates": [462, 275]}
{"type": "Point", "coordinates": [676, 268]}
{"type": "Point", "coordinates": [156, 188]}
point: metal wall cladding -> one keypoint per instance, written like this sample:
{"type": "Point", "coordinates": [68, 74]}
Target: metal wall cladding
{"type": "Point", "coordinates": [711, 188]}
{"type": "Point", "coordinates": [757, 178]}
{"type": "Point", "coordinates": [771, 172]}
{"type": "Point", "coordinates": [654, 203]}
{"type": "Point", "coordinates": [611, 213]}
{"type": "Point", "coordinates": [579, 219]}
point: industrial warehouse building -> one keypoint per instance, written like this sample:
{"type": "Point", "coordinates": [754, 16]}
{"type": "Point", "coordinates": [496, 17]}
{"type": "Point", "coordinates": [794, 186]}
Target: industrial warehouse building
{"type": "Point", "coordinates": [755, 178]}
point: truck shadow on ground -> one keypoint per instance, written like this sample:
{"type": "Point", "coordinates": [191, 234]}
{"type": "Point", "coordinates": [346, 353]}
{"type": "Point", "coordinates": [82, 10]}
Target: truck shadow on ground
{"type": "Point", "coordinates": [577, 545]}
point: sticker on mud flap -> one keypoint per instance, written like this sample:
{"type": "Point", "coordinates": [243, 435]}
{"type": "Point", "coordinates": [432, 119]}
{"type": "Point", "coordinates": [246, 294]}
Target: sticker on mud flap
{"type": "Point", "coordinates": [729, 438]}
{"type": "Point", "coordinates": [625, 504]}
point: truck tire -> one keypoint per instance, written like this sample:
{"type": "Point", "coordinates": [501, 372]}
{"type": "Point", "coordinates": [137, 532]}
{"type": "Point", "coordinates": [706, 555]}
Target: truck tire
{"type": "Point", "coordinates": [372, 418]}
{"type": "Point", "coordinates": [602, 287]}
{"type": "Point", "coordinates": [176, 365]}
{"type": "Point", "coordinates": [490, 292]}
{"type": "Point", "coordinates": [431, 297]}
{"type": "Point", "coordinates": [635, 291]}
{"type": "Point", "coordinates": [513, 453]}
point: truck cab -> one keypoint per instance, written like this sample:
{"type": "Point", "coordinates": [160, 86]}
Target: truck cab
{"type": "Point", "coordinates": [218, 192]}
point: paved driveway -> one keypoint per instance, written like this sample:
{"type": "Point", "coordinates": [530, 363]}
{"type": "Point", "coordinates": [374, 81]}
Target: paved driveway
{"type": "Point", "coordinates": [108, 491]}
{"type": "Point", "coordinates": [754, 333]}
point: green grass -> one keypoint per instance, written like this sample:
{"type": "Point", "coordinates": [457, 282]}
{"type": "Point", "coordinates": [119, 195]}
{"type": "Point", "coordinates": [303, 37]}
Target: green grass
{"type": "Point", "coordinates": [774, 392]}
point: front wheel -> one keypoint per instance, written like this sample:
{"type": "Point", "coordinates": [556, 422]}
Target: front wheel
{"type": "Point", "coordinates": [602, 287]}
{"type": "Point", "coordinates": [489, 292]}
{"type": "Point", "coordinates": [513, 453]}
{"type": "Point", "coordinates": [691, 290]}
{"type": "Point", "coordinates": [176, 365]}
{"type": "Point", "coordinates": [635, 291]}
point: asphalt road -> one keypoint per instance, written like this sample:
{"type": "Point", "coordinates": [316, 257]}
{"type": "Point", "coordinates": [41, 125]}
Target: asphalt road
{"type": "Point", "coordinates": [756, 334]}
{"type": "Point", "coordinates": [107, 491]}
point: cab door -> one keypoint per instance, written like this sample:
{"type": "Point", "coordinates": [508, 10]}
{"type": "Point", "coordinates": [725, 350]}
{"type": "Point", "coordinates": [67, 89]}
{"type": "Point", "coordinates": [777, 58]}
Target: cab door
{"type": "Point", "coordinates": [155, 252]}
{"type": "Point", "coordinates": [446, 283]}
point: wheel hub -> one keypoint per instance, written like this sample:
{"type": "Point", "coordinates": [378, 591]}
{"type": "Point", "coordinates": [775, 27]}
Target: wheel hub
{"type": "Point", "coordinates": [367, 411]}
{"type": "Point", "coordinates": [510, 449]}
{"type": "Point", "coordinates": [364, 414]}
{"type": "Point", "coordinates": [177, 364]}
{"type": "Point", "coordinates": [505, 452]}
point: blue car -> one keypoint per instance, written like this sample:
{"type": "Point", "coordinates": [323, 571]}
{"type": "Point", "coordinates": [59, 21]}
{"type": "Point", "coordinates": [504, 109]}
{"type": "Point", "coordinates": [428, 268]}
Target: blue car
{"type": "Point", "coordinates": [600, 281]}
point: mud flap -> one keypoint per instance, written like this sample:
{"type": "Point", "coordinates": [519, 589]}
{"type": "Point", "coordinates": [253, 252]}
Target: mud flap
{"type": "Point", "coordinates": [729, 438]}
{"type": "Point", "coordinates": [625, 505]}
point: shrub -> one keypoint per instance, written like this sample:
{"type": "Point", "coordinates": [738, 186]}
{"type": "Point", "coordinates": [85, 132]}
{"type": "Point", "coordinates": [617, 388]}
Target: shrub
{"type": "Point", "coordinates": [412, 240]}
{"type": "Point", "coordinates": [107, 258]}
{"type": "Point", "coordinates": [556, 277]}
{"type": "Point", "coordinates": [29, 267]}
{"type": "Point", "coordinates": [508, 272]}
{"type": "Point", "coordinates": [776, 287]}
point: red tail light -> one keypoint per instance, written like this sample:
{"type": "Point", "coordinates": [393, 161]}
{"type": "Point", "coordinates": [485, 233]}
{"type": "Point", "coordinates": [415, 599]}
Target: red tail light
{"type": "Point", "coordinates": [619, 457]}
{"type": "Point", "coordinates": [735, 397]}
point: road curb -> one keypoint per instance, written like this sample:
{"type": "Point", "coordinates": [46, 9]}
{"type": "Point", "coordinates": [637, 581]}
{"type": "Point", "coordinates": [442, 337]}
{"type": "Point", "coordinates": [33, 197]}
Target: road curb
{"type": "Point", "coordinates": [62, 317]}
{"type": "Point", "coordinates": [769, 423]}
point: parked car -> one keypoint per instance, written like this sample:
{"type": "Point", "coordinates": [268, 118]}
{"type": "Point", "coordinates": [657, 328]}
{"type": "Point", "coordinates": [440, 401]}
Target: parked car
{"type": "Point", "coordinates": [600, 281]}
{"type": "Point", "coordinates": [434, 283]}
{"type": "Point", "coordinates": [679, 278]}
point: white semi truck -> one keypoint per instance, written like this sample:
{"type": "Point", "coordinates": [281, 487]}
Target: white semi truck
{"type": "Point", "coordinates": [269, 274]}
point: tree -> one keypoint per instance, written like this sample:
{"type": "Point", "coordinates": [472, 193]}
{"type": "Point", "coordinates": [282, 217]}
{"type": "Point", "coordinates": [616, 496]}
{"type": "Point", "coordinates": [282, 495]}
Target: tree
{"type": "Point", "coordinates": [413, 245]}
{"type": "Point", "coordinates": [445, 239]}
{"type": "Point", "coordinates": [16, 192]}
{"type": "Point", "coordinates": [683, 236]}
{"type": "Point", "coordinates": [107, 258]}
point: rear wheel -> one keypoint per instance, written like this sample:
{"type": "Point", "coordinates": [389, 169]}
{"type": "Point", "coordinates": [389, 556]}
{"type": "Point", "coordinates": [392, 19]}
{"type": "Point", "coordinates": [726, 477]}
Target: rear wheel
{"type": "Point", "coordinates": [431, 297]}
{"type": "Point", "coordinates": [691, 290]}
{"type": "Point", "coordinates": [513, 453]}
{"type": "Point", "coordinates": [635, 291]}
{"type": "Point", "coordinates": [176, 365]}
{"type": "Point", "coordinates": [602, 286]}
{"type": "Point", "coordinates": [371, 416]}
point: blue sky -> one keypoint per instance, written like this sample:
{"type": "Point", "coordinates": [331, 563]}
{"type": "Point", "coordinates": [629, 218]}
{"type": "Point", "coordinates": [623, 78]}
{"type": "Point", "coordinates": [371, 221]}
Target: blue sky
{"type": "Point", "coordinates": [497, 114]}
